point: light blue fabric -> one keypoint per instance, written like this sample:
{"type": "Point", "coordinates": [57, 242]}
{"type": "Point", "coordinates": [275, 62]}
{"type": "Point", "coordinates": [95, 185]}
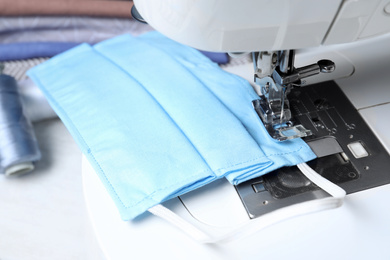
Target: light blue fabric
{"type": "Point", "coordinates": [157, 119]}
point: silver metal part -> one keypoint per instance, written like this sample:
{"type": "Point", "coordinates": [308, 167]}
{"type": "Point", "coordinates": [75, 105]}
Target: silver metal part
{"type": "Point", "coordinates": [322, 66]}
{"type": "Point", "coordinates": [264, 63]}
{"type": "Point", "coordinates": [286, 61]}
{"type": "Point", "coordinates": [325, 146]}
{"type": "Point", "coordinates": [336, 126]}
{"type": "Point", "coordinates": [275, 122]}
{"type": "Point", "coordinates": [276, 75]}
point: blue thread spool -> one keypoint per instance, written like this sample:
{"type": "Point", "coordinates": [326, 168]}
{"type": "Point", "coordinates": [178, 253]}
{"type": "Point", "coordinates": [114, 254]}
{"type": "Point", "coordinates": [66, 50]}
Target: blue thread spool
{"type": "Point", "coordinates": [18, 144]}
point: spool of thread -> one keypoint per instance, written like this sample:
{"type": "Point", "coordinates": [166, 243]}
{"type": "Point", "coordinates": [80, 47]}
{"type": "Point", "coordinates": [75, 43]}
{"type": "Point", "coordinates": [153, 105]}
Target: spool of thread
{"type": "Point", "coordinates": [18, 144]}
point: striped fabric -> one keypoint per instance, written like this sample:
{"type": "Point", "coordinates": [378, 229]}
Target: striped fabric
{"type": "Point", "coordinates": [18, 68]}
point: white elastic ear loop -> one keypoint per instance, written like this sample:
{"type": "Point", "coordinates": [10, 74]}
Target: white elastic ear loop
{"type": "Point", "coordinates": [329, 187]}
{"type": "Point", "coordinates": [249, 227]}
{"type": "Point", "coordinates": [176, 220]}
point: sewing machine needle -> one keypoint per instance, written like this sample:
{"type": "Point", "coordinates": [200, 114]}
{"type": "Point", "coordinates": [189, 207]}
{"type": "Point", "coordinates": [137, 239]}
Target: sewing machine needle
{"type": "Point", "coordinates": [282, 108]}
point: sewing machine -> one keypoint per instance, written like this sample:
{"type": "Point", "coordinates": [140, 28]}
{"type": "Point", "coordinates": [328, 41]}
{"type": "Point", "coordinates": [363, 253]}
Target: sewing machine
{"type": "Point", "coordinates": [321, 114]}
{"type": "Point", "coordinates": [296, 100]}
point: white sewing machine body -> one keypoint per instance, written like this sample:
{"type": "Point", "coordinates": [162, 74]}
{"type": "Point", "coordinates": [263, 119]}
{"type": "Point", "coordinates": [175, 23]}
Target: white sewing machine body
{"type": "Point", "coordinates": [263, 25]}
{"type": "Point", "coordinates": [271, 31]}
{"type": "Point", "coordinates": [359, 229]}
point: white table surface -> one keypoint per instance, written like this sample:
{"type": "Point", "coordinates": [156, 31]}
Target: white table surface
{"type": "Point", "coordinates": [43, 213]}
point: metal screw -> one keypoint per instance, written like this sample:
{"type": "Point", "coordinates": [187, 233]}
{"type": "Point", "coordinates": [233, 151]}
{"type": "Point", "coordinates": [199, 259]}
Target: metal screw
{"type": "Point", "coordinates": [326, 66]}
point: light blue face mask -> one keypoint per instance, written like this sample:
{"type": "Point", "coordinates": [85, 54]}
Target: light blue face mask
{"type": "Point", "coordinates": [157, 119]}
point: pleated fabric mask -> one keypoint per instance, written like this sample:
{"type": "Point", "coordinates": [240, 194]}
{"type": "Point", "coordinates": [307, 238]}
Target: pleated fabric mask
{"type": "Point", "coordinates": [157, 119]}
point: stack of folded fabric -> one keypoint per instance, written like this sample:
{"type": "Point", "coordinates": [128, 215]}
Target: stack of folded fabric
{"type": "Point", "coordinates": [32, 31]}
